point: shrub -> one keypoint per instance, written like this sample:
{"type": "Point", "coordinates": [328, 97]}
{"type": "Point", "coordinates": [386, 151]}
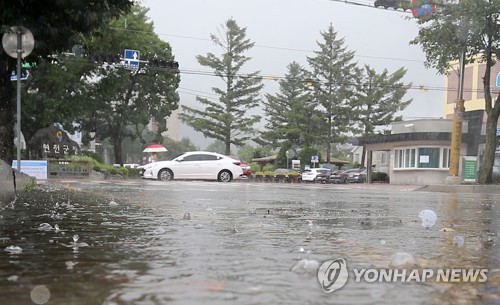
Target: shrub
{"type": "Point", "coordinates": [268, 168]}
{"type": "Point", "coordinates": [380, 176]}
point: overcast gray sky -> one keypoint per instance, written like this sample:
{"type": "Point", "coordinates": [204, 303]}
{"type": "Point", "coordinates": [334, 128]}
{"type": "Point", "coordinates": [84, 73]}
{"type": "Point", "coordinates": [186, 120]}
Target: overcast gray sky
{"type": "Point", "coordinates": [286, 31]}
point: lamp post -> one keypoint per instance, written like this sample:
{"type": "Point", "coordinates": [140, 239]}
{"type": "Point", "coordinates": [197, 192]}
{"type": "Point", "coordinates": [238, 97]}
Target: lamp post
{"type": "Point", "coordinates": [13, 44]}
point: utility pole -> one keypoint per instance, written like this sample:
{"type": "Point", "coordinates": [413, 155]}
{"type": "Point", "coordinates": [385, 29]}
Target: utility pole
{"type": "Point", "coordinates": [456, 133]}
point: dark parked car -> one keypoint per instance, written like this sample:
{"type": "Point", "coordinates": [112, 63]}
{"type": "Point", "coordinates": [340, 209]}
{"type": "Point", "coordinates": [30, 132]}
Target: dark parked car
{"type": "Point", "coordinates": [339, 176]}
{"type": "Point", "coordinates": [357, 175]}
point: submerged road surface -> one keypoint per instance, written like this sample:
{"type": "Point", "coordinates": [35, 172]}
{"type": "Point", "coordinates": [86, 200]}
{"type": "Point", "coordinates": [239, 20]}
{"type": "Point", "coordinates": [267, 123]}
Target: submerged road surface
{"type": "Point", "coordinates": [191, 242]}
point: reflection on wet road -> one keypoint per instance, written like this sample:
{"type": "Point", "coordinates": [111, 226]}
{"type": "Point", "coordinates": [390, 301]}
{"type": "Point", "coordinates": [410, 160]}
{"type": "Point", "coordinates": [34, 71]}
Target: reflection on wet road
{"type": "Point", "coordinates": [147, 242]}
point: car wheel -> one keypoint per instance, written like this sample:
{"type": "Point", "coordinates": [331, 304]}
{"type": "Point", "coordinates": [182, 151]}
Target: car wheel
{"type": "Point", "coordinates": [165, 175]}
{"type": "Point", "coordinates": [225, 176]}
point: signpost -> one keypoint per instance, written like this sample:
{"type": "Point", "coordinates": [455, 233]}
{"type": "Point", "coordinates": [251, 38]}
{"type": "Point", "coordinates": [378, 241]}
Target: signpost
{"type": "Point", "coordinates": [314, 160]}
{"type": "Point", "coordinates": [132, 58]}
{"type": "Point", "coordinates": [18, 43]}
{"type": "Point", "coordinates": [24, 76]}
{"type": "Point", "coordinates": [470, 169]}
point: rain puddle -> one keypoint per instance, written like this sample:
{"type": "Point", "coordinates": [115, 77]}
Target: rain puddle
{"type": "Point", "coordinates": [239, 243]}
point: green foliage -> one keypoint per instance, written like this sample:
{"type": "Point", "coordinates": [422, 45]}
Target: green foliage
{"type": "Point", "coordinates": [123, 171]}
{"type": "Point", "coordinates": [121, 98]}
{"type": "Point", "coordinates": [92, 155]}
{"type": "Point", "coordinates": [254, 166]}
{"type": "Point", "coordinates": [333, 72]}
{"type": "Point", "coordinates": [268, 168]}
{"type": "Point", "coordinates": [379, 98]}
{"type": "Point", "coordinates": [380, 177]}
{"type": "Point", "coordinates": [56, 26]}
{"type": "Point", "coordinates": [176, 148]}
{"type": "Point", "coordinates": [226, 119]}
{"type": "Point", "coordinates": [305, 156]}
{"type": "Point", "coordinates": [218, 147]}
{"type": "Point", "coordinates": [281, 157]}
{"type": "Point", "coordinates": [292, 114]}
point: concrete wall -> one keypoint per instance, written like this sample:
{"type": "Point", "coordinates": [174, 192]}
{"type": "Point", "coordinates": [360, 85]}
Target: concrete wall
{"type": "Point", "coordinates": [426, 125]}
{"type": "Point", "coordinates": [419, 176]}
{"type": "Point", "coordinates": [7, 191]}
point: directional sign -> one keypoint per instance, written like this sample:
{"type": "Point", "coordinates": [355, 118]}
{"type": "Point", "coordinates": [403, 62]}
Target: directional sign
{"type": "Point", "coordinates": [24, 76]}
{"type": "Point", "coordinates": [314, 159]}
{"type": "Point", "coordinates": [131, 58]}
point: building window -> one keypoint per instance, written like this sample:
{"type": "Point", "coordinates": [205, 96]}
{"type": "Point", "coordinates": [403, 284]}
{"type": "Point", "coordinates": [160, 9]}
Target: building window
{"type": "Point", "coordinates": [383, 158]}
{"type": "Point", "coordinates": [445, 158]}
{"type": "Point", "coordinates": [428, 157]}
{"type": "Point", "coordinates": [405, 158]}
{"type": "Point", "coordinates": [356, 159]}
{"type": "Point", "coordinates": [422, 157]}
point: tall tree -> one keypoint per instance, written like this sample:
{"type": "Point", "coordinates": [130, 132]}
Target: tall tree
{"type": "Point", "coordinates": [55, 25]}
{"type": "Point", "coordinates": [227, 119]}
{"type": "Point", "coordinates": [119, 97]}
{"type": "Point", "coordinates": [379, 98]}
{"type": "Point", "coordinates": [292, 114]}
{"type": "Point", "coordinates": [471, 27]}
{"type": "Point", "coordinates": [334, 74]}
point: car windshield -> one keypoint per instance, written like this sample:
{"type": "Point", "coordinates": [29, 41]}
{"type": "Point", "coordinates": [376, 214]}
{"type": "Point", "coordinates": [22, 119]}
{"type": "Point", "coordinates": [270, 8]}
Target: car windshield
{"type": "Point", "coordinates": [257, 105]}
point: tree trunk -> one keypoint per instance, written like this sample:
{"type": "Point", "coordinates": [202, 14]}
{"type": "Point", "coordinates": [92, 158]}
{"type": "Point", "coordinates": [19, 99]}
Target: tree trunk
{"type": "Point", "coordinates": [363, 153]}
{"type": "Point", "coordinates": [227, 142]}
{"type": "Point", "coordinates": [117, 146]}
{"type": "Point", "coordinates": [7, 111]}
{"type": "Point", "coordinates": [486, 170]}
{"type": "Point", "coordinates": [329, 144]}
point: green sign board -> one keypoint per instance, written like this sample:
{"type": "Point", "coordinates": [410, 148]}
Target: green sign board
{"type": "Point", "coordinates": [470, 169]}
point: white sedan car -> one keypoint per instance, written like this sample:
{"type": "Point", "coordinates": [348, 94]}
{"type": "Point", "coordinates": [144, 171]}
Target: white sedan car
{"type": "Point", "coordinates": [195, 165]}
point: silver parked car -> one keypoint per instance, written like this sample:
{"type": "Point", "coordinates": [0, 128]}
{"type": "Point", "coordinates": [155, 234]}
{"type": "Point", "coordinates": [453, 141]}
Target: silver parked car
{"type": "Point", "coordinates": [196, 165]}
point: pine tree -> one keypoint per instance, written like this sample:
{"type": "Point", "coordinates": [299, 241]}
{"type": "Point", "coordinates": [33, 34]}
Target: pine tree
{"type": "Point", "coordinates": [226, 119]}
{"type": "Point", "coordinates": [379, 98]}
{"type": "Point", "coordinates": [333, 72]}
{"type": "Point", "coordinates": [291, 114]}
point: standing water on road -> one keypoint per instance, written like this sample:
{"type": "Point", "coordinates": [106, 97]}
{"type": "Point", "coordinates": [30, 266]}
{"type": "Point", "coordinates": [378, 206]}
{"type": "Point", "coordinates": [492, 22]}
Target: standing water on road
{"type": "Point", "coordinates": [147, 242]}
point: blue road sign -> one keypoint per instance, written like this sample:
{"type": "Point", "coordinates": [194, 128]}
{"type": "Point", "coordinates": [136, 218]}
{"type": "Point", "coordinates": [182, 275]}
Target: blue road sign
{"type": "Point", "coordinates": [24, 76]}
{"type": "Point", "coordinates": [314, 159]}
{"type": "Point", "coordinates": [498, 80]}
{"type": "Point", "coordinates": [131, 58]}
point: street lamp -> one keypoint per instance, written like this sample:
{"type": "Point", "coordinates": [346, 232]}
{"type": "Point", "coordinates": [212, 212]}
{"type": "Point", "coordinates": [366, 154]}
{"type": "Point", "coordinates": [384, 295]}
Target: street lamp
{"type": "Point", "coordinates": [13, 44]}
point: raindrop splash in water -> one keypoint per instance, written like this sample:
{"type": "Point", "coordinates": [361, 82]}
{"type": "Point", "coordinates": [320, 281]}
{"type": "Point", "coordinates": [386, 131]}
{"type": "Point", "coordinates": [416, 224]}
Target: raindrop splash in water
{"type": "Point", "coordinates": [14, 249]}
{"type": "Point", "coordinates": [186, 216]}
{"type": "Point", "coordinates": [159, 231]}
{"type": "Point", "coordinates": [45, 227]}
{"type": "Point", "coordinates": [113, 203]}
{"type": "Point", "coordinates": [428, 218]}
{"type": "Point", "coordinates": [403, 260]}
{"type": "Point", "coordinates": [306, 266]}
{"type": "Point", "coordinates": [70, 265]}
{"type": "Point", "coordinates": [75, 238]}
{"type": "Point", "coordinates": [458, 241]}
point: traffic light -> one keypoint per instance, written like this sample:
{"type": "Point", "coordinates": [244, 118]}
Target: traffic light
{"type": "Point", "coordinates": [163, 64]}
{"type": "Point", "coordinates": [395, 4]}
{"type": "Point", "coordinates": [106, 58]}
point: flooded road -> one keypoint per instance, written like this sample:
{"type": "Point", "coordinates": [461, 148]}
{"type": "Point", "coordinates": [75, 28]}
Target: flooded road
{"type": "Point", "coordinates": [147, 242]}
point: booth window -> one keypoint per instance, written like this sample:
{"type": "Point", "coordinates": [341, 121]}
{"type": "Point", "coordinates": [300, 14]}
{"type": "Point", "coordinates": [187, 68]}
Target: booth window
{"type": "Point", "coordinates": [422, 157]}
